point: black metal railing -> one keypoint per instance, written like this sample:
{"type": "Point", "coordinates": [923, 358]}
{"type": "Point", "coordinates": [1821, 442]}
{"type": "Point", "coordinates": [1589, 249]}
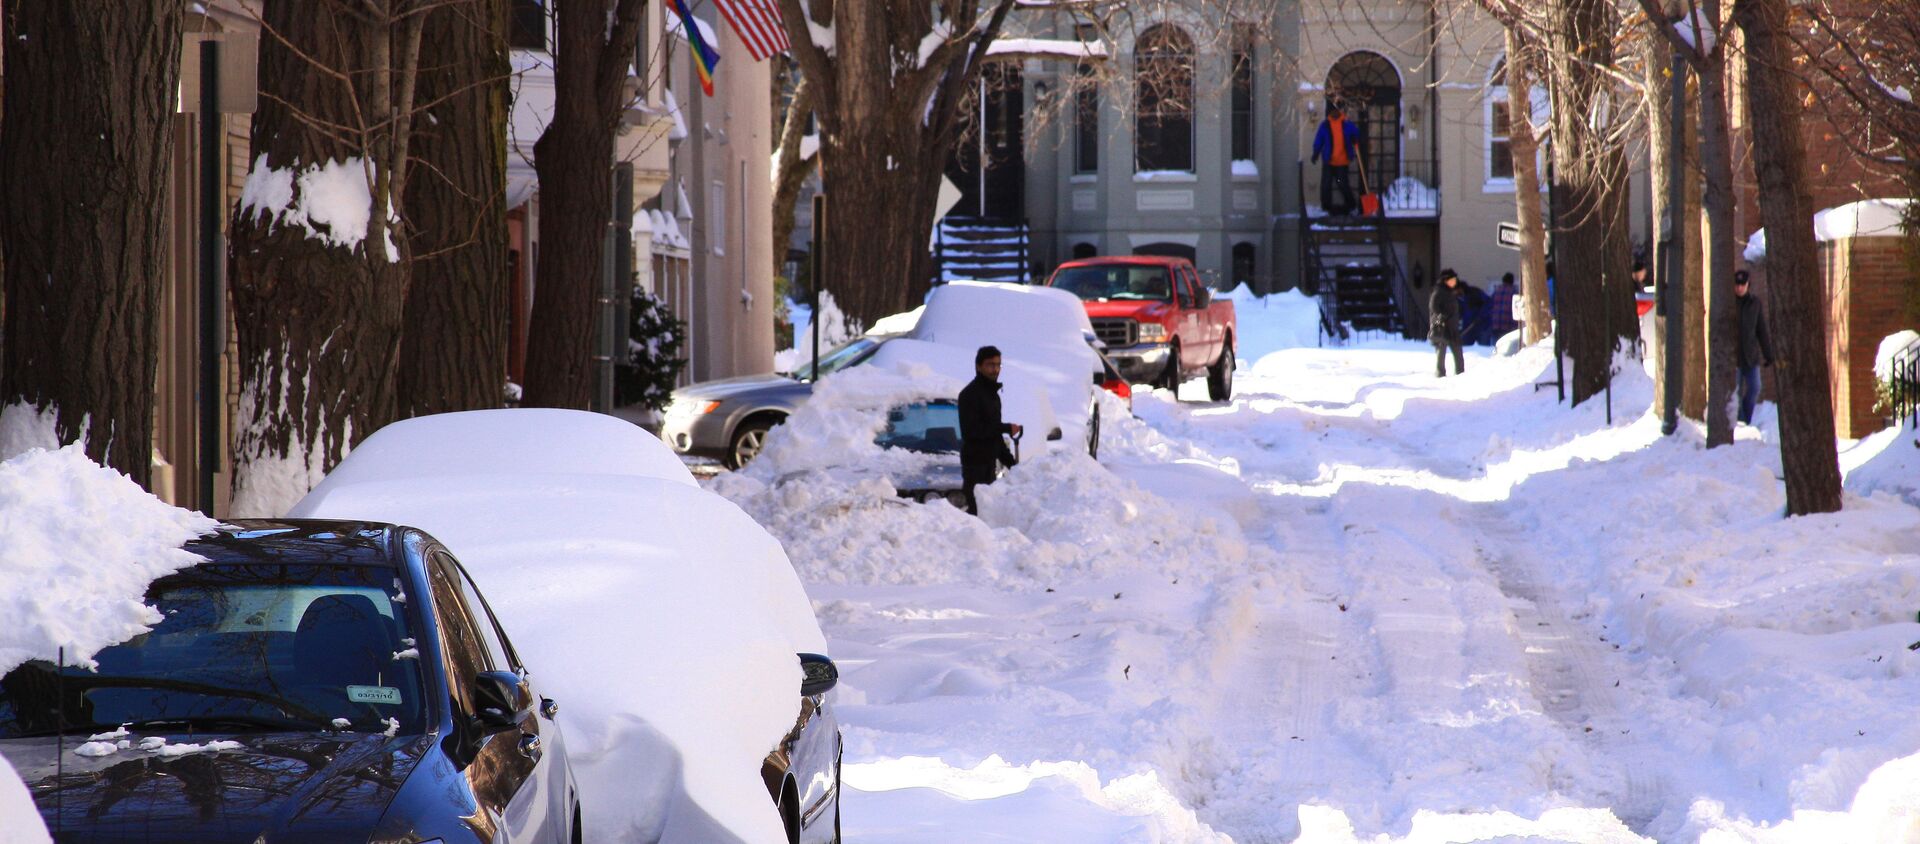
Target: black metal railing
{"type": "Point", "coordinates": [1903, 386]}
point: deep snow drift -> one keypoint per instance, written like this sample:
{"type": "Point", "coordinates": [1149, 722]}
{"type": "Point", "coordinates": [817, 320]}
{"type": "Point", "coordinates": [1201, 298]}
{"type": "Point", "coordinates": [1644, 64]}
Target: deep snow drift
{"type": "Point", "coordinates": [79, 544]}
{"type": "Point", "coordinates": [1360, 603]}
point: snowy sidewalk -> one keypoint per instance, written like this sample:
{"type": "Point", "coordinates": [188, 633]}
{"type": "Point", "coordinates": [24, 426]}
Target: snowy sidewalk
{"type": "Point", "coordinates": [1361, 602]}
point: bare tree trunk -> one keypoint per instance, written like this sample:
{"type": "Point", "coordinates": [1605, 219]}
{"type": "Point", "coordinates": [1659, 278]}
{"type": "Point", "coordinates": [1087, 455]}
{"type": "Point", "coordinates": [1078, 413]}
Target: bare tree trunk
{"type": "Point", "coordinates": [574, 161]}
{"type": "Point", "coordinates": [318, 301]}
{"type": "Point", "coordinates": [84, 161]}
{"type": "Point", "coordinates": [1526, 186]}
{"type": "Point", "coordinates": [1662, 171]}
{"type": "Point", "coordinates": [1798, 310]}
{"type": "Point", "coordinates": [1589, 178]}
{"type": "Point", "coordinates": [1722, 317]}
{"type": "Point", "coordinates": [1694, 294]}
{"type": "Point", "coordinates": [886, 131]}
{"type": "Point", "coordinates": [453, 355]}
{"type": "Point", "coordinates": [790, 170]}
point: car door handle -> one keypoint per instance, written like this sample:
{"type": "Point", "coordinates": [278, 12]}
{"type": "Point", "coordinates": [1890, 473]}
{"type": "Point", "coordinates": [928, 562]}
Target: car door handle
{"type": "Point", "coordinates": [530, 746]}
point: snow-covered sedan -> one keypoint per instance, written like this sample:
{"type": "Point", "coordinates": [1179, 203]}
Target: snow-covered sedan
{"type": "Point", "coordinates": [310, 681]}
{"type": "Point", "coordinates": [672, 625]}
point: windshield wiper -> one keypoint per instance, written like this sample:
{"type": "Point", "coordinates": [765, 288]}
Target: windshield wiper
{"type": "Point", "coordinates": [194, 723]}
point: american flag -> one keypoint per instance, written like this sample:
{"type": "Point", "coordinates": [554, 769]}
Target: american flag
{"type": "Point", "coordinates": [757, 22]}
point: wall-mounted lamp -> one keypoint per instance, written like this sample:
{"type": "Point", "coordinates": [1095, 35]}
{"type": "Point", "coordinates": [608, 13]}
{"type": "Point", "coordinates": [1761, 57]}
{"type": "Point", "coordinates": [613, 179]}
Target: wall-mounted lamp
{"type": "Point", "coordinates": [1039, 90]}
{"type": "Point", "coordinates": [1413, 115]}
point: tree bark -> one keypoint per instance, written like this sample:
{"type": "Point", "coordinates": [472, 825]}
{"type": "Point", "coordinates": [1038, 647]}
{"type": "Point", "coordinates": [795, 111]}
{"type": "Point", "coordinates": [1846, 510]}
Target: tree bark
{"type": "Point", "coordinates": [574, 162]}
{"type": "Point", "coordinates": [85, 156]}
{"type": "Point", "coordinates": [790, 170]}
{"type": "Point", "coordinates": [1526, 186]}
{"type": "Point", "coordinates": [453, 353]}
{"type": "Point", "coordinates": [1589, 186]}
{"type": "Point", "coordinates": [885, 132]}
{"type": "Point", "coordinates": [1694, 295]}
{"type": "Point", "coordinates": [1797, 311]}
{"type": "Point", "coordinates": [1662, 174]}
{"type": "Point", "coordinates": [1716, 162]}
{"type": "Point", "coordinates": [318, 307]}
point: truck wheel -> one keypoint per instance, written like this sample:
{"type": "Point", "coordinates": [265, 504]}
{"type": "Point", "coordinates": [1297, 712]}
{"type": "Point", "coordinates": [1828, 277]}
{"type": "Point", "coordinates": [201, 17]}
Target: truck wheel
{"type": "Point", "coordinates": [1170, 378]}
{"type": "Point", "coordinates": [1220, 375]}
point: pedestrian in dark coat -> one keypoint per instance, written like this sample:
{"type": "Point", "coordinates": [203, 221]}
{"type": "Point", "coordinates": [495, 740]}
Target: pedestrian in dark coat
{"type": "Point", "coordinates": [1756, 346]}
{"type": "Point", "coordinates": [1443, 329]}
{"type": "Point", "coordinates": [981, 446]}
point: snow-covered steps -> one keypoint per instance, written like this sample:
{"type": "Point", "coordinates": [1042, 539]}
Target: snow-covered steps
{"type": "Point", "coordinates": [981, 248]}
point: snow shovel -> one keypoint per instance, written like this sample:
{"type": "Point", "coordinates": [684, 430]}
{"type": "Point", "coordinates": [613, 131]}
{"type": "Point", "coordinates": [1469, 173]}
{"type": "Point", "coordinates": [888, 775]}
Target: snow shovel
{"type": "Point", "coordinates": [1369, 201]}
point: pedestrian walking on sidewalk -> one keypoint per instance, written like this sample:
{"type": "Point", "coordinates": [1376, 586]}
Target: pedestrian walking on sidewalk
{"type": "Point", "coordinates": [981, 446]}
{"type": "Point", "coordinates": [1444, 324]}
{"type": "Point", "coordinates": [1336, 147]}
{"type": "Point", "coordinates": [1756, 346]}
{"type": "Point", "coordinates": [1503, 321]}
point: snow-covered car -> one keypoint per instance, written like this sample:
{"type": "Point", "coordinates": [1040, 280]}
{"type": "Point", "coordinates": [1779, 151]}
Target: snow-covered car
{"type": "Point", "coordinates": [930, 431]}
{"type": "Point", "coordinates": [1043, 336]}
{"type": "Point", "coordinates": [309, 681]}
{"type": "Point", "coordinates": [672, 625]}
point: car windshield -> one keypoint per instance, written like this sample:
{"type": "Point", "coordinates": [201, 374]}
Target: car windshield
{"type": "Point", "coordinates": [932, 427]}
{"type": "Point", "coordinates": [839, 357]}
{"type": "Point", "coordinates": [1115, 281]}
{"type": "Point", "coordinates": [241, 648]}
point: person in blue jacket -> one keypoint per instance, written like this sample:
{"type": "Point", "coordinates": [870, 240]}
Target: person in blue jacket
{"type": "Point", "coordinates": [1335, 148]}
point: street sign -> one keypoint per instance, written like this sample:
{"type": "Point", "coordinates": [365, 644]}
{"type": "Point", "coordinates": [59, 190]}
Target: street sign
{"type": "Point", "coordinates": [1508, 236]}
{"type": "Point", "coordinates": [948, 197]}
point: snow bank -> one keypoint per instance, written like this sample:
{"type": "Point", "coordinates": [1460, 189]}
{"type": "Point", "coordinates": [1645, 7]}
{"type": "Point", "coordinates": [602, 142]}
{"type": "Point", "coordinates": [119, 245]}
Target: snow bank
{"type": "Point", "coordinates": [1286, 320]}
{"type": "Point", "coordinates": [1891, 348]}
{"type": "Point", "coordinates": [1868, 218]}
{"type": "Point", "coordinates": [661, 617]}
{"type": "Point", "coordinates": [79, 543]}
{"type": "Point", "coordinates": [835, 329]}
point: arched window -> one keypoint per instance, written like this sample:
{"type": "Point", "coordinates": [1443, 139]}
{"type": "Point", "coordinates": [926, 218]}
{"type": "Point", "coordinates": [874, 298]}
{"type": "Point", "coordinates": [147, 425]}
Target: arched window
{"type": "Point", "coordinates": [1163, 100]}
{"type": "Point", "coordinates": [1367, 87]}
{"type": "Point", "coordinates": [1243, 264]}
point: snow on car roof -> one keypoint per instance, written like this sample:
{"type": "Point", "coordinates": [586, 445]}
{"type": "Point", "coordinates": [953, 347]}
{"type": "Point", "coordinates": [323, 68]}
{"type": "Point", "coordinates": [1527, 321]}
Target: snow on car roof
{"type": "Point", "coordinates": [484, 442]}
{"type": "Point", "coordinates": [987, 313]}
{"type": "Point", "coordinates": [663, 619]}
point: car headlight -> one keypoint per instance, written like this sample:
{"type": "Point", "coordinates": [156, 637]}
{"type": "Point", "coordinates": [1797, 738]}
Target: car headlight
{"type": "Point", "coordinates": [1152, 331]}
{"type": "Point", "coordinates": [691, 408]}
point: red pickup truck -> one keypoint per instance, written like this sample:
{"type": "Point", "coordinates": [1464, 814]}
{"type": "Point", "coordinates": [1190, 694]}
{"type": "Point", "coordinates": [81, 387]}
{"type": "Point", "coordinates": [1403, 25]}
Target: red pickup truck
{"type": "Point", "coordinates": [1160, 324]}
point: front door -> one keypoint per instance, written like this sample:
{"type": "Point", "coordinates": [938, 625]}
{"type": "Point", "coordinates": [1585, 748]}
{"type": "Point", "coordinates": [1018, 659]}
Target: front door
{"type": "Point", "coordinates": [999, 193]}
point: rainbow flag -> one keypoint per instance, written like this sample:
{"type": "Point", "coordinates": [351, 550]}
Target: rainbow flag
{"type": "Point", "coordinates": [705, 57]}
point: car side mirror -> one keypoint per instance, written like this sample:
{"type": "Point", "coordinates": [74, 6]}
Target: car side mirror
{"type": "Point", "coordinates": [818, 675]}
{"type": "Point", "coordinates": [498, 701]}
{"type": "Point", "coordinates": [1054, 435]}
{"type": "Point", "coordinates": [1202, 296]}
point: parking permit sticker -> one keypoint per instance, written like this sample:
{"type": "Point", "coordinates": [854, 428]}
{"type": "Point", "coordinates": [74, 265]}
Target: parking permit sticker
{"type": "Point", "coordinates": [374, 694]}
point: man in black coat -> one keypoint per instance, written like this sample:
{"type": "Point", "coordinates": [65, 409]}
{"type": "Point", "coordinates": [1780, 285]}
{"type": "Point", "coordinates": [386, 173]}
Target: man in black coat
{"type": "Point", "coordinates": [1756, 346]}
{"type": "Point", "coordinates": [980, 427]}
{"type": "Point", "coordinates": [1443, 329]}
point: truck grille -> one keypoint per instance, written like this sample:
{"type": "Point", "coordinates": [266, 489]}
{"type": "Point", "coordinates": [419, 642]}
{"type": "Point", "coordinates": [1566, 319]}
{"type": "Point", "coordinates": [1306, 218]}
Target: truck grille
{"type": "Point", "coordinates": [1117, 332]}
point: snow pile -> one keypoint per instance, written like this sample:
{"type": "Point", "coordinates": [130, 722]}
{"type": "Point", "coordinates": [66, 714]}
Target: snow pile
{"type": "Point", "coordinates": [1052, 47]}
{"type": "Point", "coordinates": [1410, 194]}
{"type": "Point", "coordinates": [693, 603]}
{"type": "Point", "coordinates": [24, 428]}
{"type": "Point", "coordinates": [835, 327]}
{"type": "Point", "coordinates": [79, 543]}
{"type": "Point", "coordinates": [1894, 347]}
{"type": "Point", "coordinates": [331, 201]}
{"type": "Point", "coordinates": [1868, 218]}
{"type": "Point", "coordinates": [1289, 319]}
{"type": "Point", "coordinates": [1756, 247]}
